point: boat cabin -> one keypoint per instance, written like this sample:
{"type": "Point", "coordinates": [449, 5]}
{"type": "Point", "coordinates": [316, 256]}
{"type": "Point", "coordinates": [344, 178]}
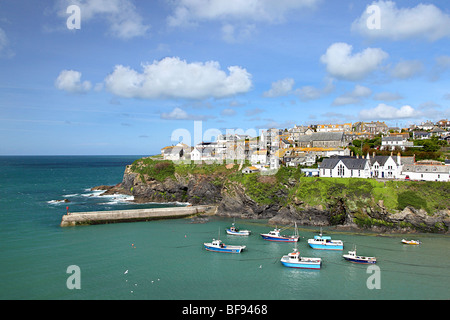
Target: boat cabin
{"type": "Point", "coordinates": [325, 239]}
{"type": "Point", "coordinates": [218, 243]}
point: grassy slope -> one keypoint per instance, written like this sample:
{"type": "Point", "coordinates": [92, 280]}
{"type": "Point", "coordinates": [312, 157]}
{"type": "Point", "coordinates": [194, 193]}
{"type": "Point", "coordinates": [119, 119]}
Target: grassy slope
{"type": "Point", "coordinates": [288, 183]}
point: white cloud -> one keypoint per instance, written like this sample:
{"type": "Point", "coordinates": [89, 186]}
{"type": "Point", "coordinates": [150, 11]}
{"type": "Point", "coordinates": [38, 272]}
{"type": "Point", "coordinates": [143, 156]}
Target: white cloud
{"type": "Point", "coordinates": [353, 97]}
{"type": "Point", "coordinates": [407, 69]}
{"type": "Point", "coordinates": [280, 88]}
{"type": "Point", "coordinates": [122, 16]}
{"type": "Point", "coordinates": [175, 78]}
{"type": "Point", "coordinates": [232, 33]}
{"type": "Point", "coordinates": [442, 65]}
{"type": "Point", "coordinates": [422, 21]}
{"type": "Point", "coordinates": [5, 51]}
{"type": "Point", "coordinates": [385, 112]}
{"type": "Point", "coordinates": [342, 64]}
{"type": "Point", "coordinates": [70, 81]}
{"type": "Point", "coordinates": [308, 93]}
{"type": "Point", "coordinates": [228, 112]}
{"type": "Point", "coordinates": [180, 114]}
{"type": "Point", "coordinates": [189, 12]}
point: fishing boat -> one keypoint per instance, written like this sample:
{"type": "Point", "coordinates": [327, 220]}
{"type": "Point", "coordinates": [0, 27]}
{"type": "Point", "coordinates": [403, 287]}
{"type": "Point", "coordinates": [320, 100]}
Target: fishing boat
{"type": "Point", "coordinates": [275, 235]}
{"type": "Point", "coordinates": [219, 246]}
{"type": "Point", "coordinates": [236, 232]}
{"type": "Point", "coordinates": [321, 242]}
{"type": "Point", "coordinates": [294, 260]}
{"type": "Point", "coordinates": [353, 257]}
{"type": "Point", "coordinates": [412, 242]}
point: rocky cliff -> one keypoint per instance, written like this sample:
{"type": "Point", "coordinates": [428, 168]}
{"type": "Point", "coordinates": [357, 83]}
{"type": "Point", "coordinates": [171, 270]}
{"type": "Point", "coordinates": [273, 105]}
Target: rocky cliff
{"type": "Point", "coordinates": [288, 197]}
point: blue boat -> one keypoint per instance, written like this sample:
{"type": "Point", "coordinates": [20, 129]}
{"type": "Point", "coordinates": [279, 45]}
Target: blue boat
{"type": "Point", "coordinates": [219, 246]}
{"type": "Point", "coordinates": [275, 235]}
{"type": "Point", "coordinates": [321, 242]}
{"type": "Point", "coordinates": [353, 257]}
{"type": "Point", "coordinates": [294, 260]}
{"type": "Point", "coordinates": [236, 232]}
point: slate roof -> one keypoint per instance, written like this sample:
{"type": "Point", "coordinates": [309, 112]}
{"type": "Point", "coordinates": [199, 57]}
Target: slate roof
{"type": "Point", "coordinates": [380, 159]}
{"type": "Point", "coordinates": [349, 162]}
{"type": "Point", "coordinates": [322, 136]}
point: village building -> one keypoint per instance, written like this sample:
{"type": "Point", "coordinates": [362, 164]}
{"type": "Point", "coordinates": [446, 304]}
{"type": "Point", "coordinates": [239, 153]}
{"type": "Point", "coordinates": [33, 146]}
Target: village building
{"type": "Point", "coordinates": [427, 170]}
{"type": "Point", "coordinates": [259, 157]}
{"type": "Point", "coordinates": [344, 167]}
{"type": "Point", "coordinates": [249, 170]}
{"type": "Point", "coordinates": [395, 142]}
{"type": "Point", "coordinates": [374, 127]}
{"type": "Point", "coordinates": [386, 167]}
{"type": "Point", "coordinates": [178, 152]}
{"type": "Point", "coordinates": [346, 127]}
{"type": "Point", "coordinates": [322, 140]}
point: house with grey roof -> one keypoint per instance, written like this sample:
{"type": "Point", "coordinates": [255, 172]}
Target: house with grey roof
{"type": "Point", "coordinates": [395, 142]}
{"type": "Point", "coordinates": [321, 140]}
{"type": "Point", "coordinates": [427, 170]}
{"type": "Point", "coordinates": [344, 167]}
{"type": "Point", "coordinates": [386, 167]}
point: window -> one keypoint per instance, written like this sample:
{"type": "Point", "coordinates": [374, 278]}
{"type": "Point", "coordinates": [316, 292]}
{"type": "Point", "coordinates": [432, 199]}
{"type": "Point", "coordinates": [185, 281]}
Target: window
{"type": "Point", "coordinates": [341, 170]}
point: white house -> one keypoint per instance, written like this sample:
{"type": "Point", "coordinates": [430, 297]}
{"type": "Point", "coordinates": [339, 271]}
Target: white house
{"type": "Point", "coordinates": [176, 153]}
{"type": "Point", "coordinates": [259, 157]}
{"type": "Point", "coordinates": [427, 170]}
{"type": "Point", "coordinates": [345, 167]}
{"type": "Point", "coordinates": [385, 166]}
{"type": "Point", "coordinates": [392, 142]}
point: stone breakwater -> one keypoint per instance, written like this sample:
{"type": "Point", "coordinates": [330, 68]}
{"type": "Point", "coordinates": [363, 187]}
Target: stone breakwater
{"type": "Point", "coordinates": [116, 216]}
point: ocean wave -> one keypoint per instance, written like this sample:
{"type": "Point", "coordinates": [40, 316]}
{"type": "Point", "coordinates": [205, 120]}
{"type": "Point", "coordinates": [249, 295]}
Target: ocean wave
{"type": "Point", "coordinates": [57, 201]}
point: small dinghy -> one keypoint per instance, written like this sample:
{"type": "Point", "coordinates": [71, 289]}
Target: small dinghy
{"type": "Point", "coordinates": [411, 242]}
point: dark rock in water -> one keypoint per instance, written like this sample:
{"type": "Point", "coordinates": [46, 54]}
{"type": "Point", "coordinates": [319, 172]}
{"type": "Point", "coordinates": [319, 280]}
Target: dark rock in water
{"type": "Point", "coordinates": [111, 190]}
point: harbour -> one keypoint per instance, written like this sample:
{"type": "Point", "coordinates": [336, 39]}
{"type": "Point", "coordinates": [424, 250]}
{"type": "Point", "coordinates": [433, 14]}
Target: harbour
{"type": "Point", "coordinates": [165, 259]}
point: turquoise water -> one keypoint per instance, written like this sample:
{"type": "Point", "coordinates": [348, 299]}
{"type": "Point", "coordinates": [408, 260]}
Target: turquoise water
{"type": "Point", "coordinates": [166, 259]}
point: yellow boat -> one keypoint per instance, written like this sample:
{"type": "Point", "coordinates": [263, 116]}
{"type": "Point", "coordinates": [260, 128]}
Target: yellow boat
{"type": "Point", "coordinates": [413, 242]}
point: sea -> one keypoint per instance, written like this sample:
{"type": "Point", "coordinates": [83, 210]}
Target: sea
{"type": "Point", "coordinates": [166, 260]}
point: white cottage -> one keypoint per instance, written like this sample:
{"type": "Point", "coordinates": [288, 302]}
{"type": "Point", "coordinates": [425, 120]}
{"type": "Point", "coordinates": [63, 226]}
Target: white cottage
{"type": "Point", "coordinates": [427, 170]}
{"type": "Point", "coordinates": [385, 166]}
{"type": "Point", "coordinates": [344, 167]}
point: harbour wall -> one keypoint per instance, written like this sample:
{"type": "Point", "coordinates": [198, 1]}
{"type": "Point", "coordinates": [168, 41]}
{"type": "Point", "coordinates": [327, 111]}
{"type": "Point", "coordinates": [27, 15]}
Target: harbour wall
{"type": "Point", "coordinates": [117, 216]}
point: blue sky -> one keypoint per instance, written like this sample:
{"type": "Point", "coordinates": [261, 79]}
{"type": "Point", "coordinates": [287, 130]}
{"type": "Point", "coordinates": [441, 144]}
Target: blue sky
{"type": "Point", "coordinates": [136, 71]}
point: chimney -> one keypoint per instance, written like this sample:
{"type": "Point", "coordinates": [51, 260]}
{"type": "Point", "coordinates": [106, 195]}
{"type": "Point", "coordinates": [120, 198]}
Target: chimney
{"type": "Point", "coordinates": [357, 156]}
{"type": "Point", "coordinates": [414, 158]}
{"type": "Point", "coordinates": [373, 154]}
{"type": "Point", "coordinates": [368, 156]}
{"type": "Point", "coordinates": [399, 159]}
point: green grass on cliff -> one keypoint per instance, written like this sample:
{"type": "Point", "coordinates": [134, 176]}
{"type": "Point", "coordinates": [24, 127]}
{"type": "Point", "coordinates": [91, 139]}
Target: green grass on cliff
{"type": "Point", "coordinates": [396, 195]}
{"type": "Point", "coordinates": [289, 186]}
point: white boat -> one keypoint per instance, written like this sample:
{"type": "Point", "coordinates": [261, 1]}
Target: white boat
{"type": "Point", "coordinates": [413, 242]}
{"type": "Point", "coordinates": [236, 232]}
{"type": "Point", "coordinates": [219, 246]}
{"type": "Point", "coordinates": [294, 260]}
{"type": "Point", "coordinates": [321, 242]}
{"type": "Point", "coordinates": [353, 257]}
{"type": "Point", "coordinates": [275, 235]}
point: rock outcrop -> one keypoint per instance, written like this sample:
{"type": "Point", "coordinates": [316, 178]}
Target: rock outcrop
{"type": "Point", "coordinates": [232, 199]}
